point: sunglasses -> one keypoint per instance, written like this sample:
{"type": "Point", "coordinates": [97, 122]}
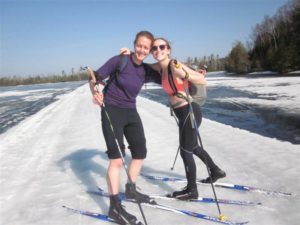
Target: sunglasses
{"type": "Point", "coordinates": [161, 47]}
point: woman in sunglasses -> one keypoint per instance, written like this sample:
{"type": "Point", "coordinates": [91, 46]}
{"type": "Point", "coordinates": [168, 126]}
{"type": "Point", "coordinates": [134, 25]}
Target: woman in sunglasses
{"type": "Point", "coordinates": [120, 118]}
{"type": "Point", "coordinates": [189, 146]}
{"type": "Point", "coordinates": [181, 74]}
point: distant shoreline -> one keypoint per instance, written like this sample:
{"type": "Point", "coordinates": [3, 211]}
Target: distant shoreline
{"type": "Point", "coordinates": [265, 74]}
{"type": "Point", "coordinates": [6, 81]}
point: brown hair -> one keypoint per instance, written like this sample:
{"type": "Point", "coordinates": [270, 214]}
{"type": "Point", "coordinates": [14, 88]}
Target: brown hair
{"type": "Point", "coordinates": [146, 34]}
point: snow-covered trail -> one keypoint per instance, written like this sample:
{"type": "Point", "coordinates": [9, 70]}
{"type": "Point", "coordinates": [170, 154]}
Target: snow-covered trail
{"type": "Point", "coordinates": [54, 156]}
{"type": "Point", "coordinates": [32, 181]}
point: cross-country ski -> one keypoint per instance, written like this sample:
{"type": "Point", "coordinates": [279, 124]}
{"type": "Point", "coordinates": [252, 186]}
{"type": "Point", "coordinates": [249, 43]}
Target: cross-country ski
{"type": "Point", "coordinates": [199, 200]}
{"type": "Point", "coordinates": [222, 185]}
{"type": "Point", "coordinates": [98, 216]}
{"type": "Point", "coordinates": [178, 211]}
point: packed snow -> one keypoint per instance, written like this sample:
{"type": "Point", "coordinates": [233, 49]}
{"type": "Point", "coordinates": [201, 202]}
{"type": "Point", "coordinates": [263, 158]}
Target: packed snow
{"type": "Point", "coordinates": [56, 155]}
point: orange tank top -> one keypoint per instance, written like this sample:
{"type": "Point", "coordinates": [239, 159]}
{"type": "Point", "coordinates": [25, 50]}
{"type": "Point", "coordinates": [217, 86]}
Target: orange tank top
{"type": "Point", "coordinates": [167, 87]}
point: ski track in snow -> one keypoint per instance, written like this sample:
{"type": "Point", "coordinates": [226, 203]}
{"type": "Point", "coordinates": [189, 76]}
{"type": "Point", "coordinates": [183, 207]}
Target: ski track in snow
{"type": "Point", "coordinates": [53, 157]}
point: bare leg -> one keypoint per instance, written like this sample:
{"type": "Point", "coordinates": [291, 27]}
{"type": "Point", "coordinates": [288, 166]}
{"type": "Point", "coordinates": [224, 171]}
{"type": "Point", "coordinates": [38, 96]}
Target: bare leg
{"type": "Point", "coordinates": [134, 169]}
{"type": "Point", "coordinates": [113, 176]}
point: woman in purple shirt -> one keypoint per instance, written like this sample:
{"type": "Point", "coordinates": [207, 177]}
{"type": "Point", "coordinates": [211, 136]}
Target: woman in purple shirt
{"type": "Point", "coordinates": [120, 104]}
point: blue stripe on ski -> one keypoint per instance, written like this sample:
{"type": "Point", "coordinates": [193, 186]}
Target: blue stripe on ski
{"type": "Point", "coordinates": [98, 216]}
{"type": "Point", "coordinates": [223, 185]}
{"type": "Point", "coordinates": [199, 200]}
{"type": "Point", "coordinates": [178, 211]}
{"type": "Point", "coordinates": [212, 200]}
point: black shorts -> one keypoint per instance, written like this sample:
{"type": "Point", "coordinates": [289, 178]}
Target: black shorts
{"type": "Point", "coordinates": [125, 122]}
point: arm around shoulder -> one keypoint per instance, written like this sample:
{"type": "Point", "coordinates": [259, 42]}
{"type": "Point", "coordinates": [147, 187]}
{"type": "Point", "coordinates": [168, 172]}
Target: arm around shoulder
{"type": "Point", "coordinates": [194, 76]}
{"type": "Point", "coordinates": [184, 72]}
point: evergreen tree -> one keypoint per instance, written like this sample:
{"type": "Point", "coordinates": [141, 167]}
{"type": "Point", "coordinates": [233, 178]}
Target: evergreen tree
{"type": "Point", "coordinates": [276, 41]}
{"type": "Point", "coordinates": [238, 59]}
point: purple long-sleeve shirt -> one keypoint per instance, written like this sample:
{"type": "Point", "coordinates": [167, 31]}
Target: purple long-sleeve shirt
{"type": "Point", "coordinates": [131, 79]}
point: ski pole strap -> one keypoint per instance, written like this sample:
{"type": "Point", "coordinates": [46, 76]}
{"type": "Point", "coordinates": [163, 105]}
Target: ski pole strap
{"type": "Point", "coordinates": [172, 83]}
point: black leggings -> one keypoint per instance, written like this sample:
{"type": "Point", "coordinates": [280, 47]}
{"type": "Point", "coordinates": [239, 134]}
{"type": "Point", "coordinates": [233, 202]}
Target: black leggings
{"type": "Point", "coordinates": [189, 142]}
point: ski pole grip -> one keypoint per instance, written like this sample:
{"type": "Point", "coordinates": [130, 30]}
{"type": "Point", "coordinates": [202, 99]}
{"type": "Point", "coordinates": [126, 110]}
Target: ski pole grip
{"type": "Point", "coordinates": [204, 67]}
{"type": "Point", "coordinates": [177, 65]}
{"type": "Point", "coordinates": [92, 74]}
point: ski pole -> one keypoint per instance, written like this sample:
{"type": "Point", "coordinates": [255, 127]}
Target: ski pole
{"type": "Point", "coordinates": [194, 125]}
{"type": "Point", "coordinates": [118, 146]}
{"type": "Point", "coordinates": [172, 114]}
{"type": "Point", "coordinates": [172, 168]}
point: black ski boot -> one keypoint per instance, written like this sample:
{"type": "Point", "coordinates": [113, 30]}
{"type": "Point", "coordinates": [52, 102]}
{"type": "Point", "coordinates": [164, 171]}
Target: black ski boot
{"type": "Point", "coordinates": [186, 194]}
{"type": "Point", "coordinates": [132, 193]}
{"type": "Point", "coordinates": [119, 214]}
{"type": "Point", "coordinates": [216, 174]}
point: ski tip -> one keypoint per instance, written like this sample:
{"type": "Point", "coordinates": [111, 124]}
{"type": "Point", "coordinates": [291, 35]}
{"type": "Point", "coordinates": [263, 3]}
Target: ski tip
{"type": "Point", "coordinates": [100, 189]}
{"type": "Point", "coordinates": [169, 196]}
{"type": "Point", "coordinates": [236, 223]}
{"type": "Point", "coordinates": [241, 223]}
{"type": "Point", "coordinates": [152, 202]}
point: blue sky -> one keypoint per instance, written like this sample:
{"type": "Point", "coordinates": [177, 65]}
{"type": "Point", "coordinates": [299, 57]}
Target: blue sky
{"type": "Point", "coordinates": [42, 37]}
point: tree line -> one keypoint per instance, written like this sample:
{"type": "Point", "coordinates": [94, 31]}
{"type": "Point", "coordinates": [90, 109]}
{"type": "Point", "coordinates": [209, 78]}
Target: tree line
{"type": "Point", "coordinates": [15, 80]}
{"type": "Point", "coordinates": [274, 45]}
